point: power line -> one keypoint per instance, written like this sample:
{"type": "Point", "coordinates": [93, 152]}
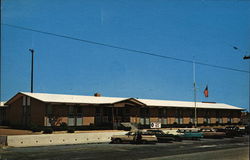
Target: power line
{"type": "Point", "coordinates": [123, 48]}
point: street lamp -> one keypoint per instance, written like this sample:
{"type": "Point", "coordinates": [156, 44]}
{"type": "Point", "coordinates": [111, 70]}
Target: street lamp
{"type": "Point", "coordinates": [246, 57]}
{"type": "Point", "coordinates": [32, 70]}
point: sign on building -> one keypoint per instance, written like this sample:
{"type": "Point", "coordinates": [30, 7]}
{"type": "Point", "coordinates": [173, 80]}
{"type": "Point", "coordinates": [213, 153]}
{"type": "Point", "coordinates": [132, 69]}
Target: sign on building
{"type": "Point", "coordinates": [155, 125]}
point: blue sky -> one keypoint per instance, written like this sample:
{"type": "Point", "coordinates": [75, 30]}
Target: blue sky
{"type": "Point", "coordinates": [204, 29]}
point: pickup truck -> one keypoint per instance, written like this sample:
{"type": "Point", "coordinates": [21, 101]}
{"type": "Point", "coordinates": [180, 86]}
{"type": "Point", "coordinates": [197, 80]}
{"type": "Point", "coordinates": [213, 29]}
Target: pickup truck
{"type": "Point", "coordinates": [130, 137]}
{"type": "Point", "coordinates": [211, 133]}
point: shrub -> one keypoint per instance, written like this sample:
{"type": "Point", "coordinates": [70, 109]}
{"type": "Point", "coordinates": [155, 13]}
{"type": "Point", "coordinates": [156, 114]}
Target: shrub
{"type": "Point", "coordinates": [35, 128]}
{"type": "Point", "coordinates": [71, 130]}
{"type": "Point", "coordinates": [175, 124]}
{"type": "Point", "coordinates": [64, 126]}
{"type": "Point", "coordinates": [47, 131]}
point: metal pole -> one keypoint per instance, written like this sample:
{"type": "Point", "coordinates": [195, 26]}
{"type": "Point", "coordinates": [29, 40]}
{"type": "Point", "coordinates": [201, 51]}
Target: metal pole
{"type": "Point", "coordinates": [195, 111]}
{"type": "Point", "coordinates": [248, 58]}
{"type": "Point", "coordinates": [32, 69]}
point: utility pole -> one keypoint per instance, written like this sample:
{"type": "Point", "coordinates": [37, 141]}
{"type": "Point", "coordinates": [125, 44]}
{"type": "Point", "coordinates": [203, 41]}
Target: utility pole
{"type": "Point", "coordinates": [32, 69]}
{"type": "Point", "coordinates": [245, 58]}
{"type": "Point", "coordinates": [195, 110]}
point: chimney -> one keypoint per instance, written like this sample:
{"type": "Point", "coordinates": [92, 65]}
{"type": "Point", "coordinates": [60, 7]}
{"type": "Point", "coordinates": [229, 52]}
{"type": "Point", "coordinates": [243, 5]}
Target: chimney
{"type": "Point", "coordinates": [97, 95]}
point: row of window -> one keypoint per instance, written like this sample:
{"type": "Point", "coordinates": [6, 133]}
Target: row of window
{"type": "Point", "coordinates": [105, 111]}
{"type": "Point", "coordinates": [145, 121]}
{"type": "Point", "coordinates": [78, 121]}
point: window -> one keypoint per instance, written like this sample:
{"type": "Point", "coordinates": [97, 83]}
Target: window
{"type": "Point", "coordinates": [24, 100]}
{"type": "Point", "coordinates": [180, 120]}
{"type": "Point", "coordinates": [79, 121]}
{"type": "Point", "coordinates": [28, 101]}
{"type": "Point", "coordinates": [71, 121]}
{"type": "Point", "coordinates": [142, 121]}
{"type": "Point", "coordinates": [192, 120]}
{"type": "Point", "coordinates": [208, 120]}
{"type": "Point", "coordinates": [229, 120]}
{"type": "Point", "coordinates": [163, 120]}
{"type": "Point", "coordinates": [219, 120]}
{"type": "Point", "coordinates": [205, 120]}
{"type": "Point", "coordinates": [71, 116]}
{"type": "Point", "coordinates": [147, 121]}
{"type": "Point", "coordinates": [48, 122]}
{"type": "Point", "coordinates": [79, 116]}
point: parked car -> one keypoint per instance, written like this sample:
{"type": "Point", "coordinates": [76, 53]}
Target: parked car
{"type": "Point", "coordinates": [237, 132]}
{"type": "Point", "coordinates": [228, 133]}
{"type": "Point", "coordinates": [211, 133]}
{"type": "Point", "coordinates": [163, 137]}
{"type": "Point", "coordinates": [191, 134]}
{"type": "Point", "coordinates": [131, 137]}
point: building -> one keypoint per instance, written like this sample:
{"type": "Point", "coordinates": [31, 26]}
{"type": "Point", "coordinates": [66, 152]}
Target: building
{"type": "Point", "coordinates": [245, 118]}
{"type": "Point", "coordinates": [25, 109]}
{"type": "Point", "coordinates": [3, 109]}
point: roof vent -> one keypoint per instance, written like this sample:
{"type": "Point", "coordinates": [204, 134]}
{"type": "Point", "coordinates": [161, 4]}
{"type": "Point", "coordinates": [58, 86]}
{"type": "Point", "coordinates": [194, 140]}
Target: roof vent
{"type": "Point", "coordinates": [97, 95]}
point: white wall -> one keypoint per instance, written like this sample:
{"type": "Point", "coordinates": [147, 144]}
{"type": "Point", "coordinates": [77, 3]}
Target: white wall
{"type": "Point", "coordinates": [60, 139]}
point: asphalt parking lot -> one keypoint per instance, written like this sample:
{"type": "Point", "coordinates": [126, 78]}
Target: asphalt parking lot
{"type": "Point", "coordinates": [228, 148]}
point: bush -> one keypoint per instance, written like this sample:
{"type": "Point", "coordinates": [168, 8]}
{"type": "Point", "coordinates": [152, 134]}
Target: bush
{"type": "Point", "coordinates": [64, 126]}
{"type": "Point", "coordinates": [175, 124]}
{"type": "Point", "coordinates": [35, 128]}
{"type": "Point", "coordinates": [47, 131]}
{"type": "Point", "coordinates": [71, 130]}
{"type": "Point", "coordinates": [190, 125]}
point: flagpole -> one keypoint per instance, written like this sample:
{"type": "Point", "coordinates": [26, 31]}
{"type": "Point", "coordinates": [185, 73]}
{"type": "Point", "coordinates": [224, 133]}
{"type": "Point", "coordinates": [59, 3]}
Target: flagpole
{"type": "Point", "coordinates": [195, 111]}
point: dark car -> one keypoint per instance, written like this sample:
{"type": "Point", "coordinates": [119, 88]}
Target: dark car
{"type": "Point", "coordinates": [211, 133]}
{"type": "Point", "coordinates": [163, 137]}
{"type": "Point", "coordinates": [229, 131]}
{"type": "Point", "coordinates": [236, 130]}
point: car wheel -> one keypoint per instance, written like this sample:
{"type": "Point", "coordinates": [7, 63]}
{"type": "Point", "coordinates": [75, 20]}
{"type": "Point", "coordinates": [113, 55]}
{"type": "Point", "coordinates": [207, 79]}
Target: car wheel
{"type": "Point", "coordinates": [144, 142]}
{"type": "Point", "coordinates": [117, 141]}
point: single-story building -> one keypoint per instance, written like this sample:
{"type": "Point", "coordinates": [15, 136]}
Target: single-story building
{"type": "Point", "coordinates": [3, 109]}
{"type": "Point", "coordinates": [45, 109]}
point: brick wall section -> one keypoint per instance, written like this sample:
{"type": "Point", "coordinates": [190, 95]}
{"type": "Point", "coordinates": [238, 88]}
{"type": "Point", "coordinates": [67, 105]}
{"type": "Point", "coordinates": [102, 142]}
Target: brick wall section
{"type": "Point", "coordinates": [37, 112]}
{"type": "Point", "coordinates": [14, 112]}
{"type": "Point", "coordinates": [171, 120]}
{"type": "Point", "coordinates": [213, 120]}
{"type": "Point", "coordinates": [186, 120]}
{"type": "Point", "coordinates": [200, 120]}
